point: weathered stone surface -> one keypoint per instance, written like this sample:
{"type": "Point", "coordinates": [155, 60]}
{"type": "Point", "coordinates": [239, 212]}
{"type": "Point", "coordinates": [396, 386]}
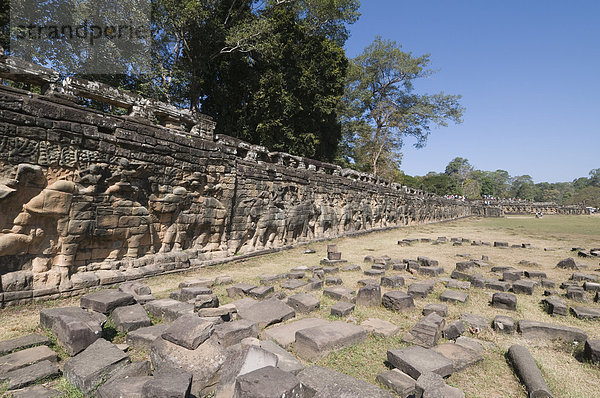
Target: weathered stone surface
{"type": "Point", "coordinates": [592, 350]}
{"type": "Point", "coordinates": [585, 312]}
{"type": "Point", "coordinates": [261, 292]}
{"type": "Point", "coordinates": [511, 275]}
{"type": "Point", "coordinates": [504, 324]}
{"type": "Point", "coordinates": [342, 309]}
{"type": "Point", "coordinates": [20, 343]}
{"type": "Point", "coordinates": [239, 290]}
{"type": "Point", "coordinates": [303, 303]}
{"type": "Point", "coordinates": [528, 371]}
{"type": "Point", "coordinates": [30, 374]}
{"type": "Point", "coordinates": [397, 301]}
{"type": "Point", "coordinates": [567, 263]}
{"type": "Point", "coordinates": [369, 296]}
{"type": "Point", "coordinates": [267, 312]}
{"type": "Point", "coordinates": [104, 301]}
{"type": "Point", "coordinates": [456, 284]}
{"type": "Point", "coordinates": [74, 327]}
{"type": "Point", "coordinates": [454, 296]}
{"type": "Point", "coordinates": [440, 309]}
{"type": "Point", "coordinates": [470, 343]}
{"type": "Point", "coordinates": [392, 281]}
{"type": "Point", "coordinates": [230, 333]}
{"type": "Point", "coordinates": [203, 363]}
{"type": "Point", "coordinates": [26, 357]}
{"type": "Point", "coordinates": [140, 292]}
{"type": "Point", "coordinates": [206, 301]}
{"type": "Point", "coordinates": [94, 365]}
{"type": "Point", "coordinates": [431, 385]}
{"type": "Point", "coordinates": [576, 293]}
{"type": "Point", "coordinates": [497, 285]}
{"type": "Point", "coordinates": [293, 284]}
{"type": "Point", "coordinates": [333, 281]}
{"type": "Point", "coordinates": [197, 282]}
{"type": "Point", "coordinates": [475, 321]}
{"type": "Point", "coordinates": [523, 287]}
{"type": "Point", "coordinates": [240, 361]}
{"type": "Point", "coordinates": [351, 267]}
{"type": "Point", "coordinates": [322, 383]}
{"type": "Point", "coordinates": [379, 327]}
{"type": "Point", "coordinates": [190, 293]}
{"type": "Point", "coordinates": [168, 383]}
{"type": "Point", "coordinates": [168, 309]}
{"type": "Point", "coordinates": [460, 356]}
{"type": "Point", "coordinates": [505, 301]}
{"type": "Point", "coordinates": [144, 337]}
{"type": "Point", "coordinates": [555, 305]}
{"type": "Point", "coordinates": [188, 331]}
{"type": "Point", "coordinates": [285, 335]}
{"type": "Point", "coordinates": [416, 360]}
{"type": "Point", "coordinates": [427, 331]}
{"type": "Point", "coordinates": [285, 361]}
{"type": "Point", "coordinates": [454, 330]}
{"type": "Point", "coordinates": [268, 382]}
{"type": "Point", "coordinates": [318, 341]}
{"type": "Point", "coordinates": [130, 387]}
{"type": "Point", "coordinates": [340, 293]}
{"type": "Point", "coordinates": [130, 318]}
{"type": "Point", "coordinates": [397, 381]}
{"type": "Point", "coordinates": [374, 272]}
{"type": "Point", "coordinates": [420, 289]}
{"type": "Point", "coordinates": [431, 271]}
{"type": "Point", "coordinates": [36, 391]}
{"type": "Point", "coordinates": [548, 331]}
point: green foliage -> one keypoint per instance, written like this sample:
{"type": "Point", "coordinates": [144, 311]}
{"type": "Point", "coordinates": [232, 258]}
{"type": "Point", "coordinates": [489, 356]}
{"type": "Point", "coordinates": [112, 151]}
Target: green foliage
{"type": "Point", "coordinates": [67, 389]}
{"type": "Point", "coordinates": [381, 108]}
{"type": "Point", "coordinates": [588, 196]}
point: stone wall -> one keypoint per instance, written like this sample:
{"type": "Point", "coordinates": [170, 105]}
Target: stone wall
{"type": "Point", "coordinates": [541, 207]}
{"type": "Point", "coordinates": [91, 199]}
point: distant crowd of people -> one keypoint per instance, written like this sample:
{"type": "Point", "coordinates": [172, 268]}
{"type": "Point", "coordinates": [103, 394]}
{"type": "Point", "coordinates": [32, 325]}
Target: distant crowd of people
{"type": "Point", "coordinates": [455, 197]}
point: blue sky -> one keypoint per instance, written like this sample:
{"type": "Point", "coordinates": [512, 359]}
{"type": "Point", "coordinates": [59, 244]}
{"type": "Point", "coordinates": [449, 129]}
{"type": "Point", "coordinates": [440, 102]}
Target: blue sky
{"type": "Point", "coordinates": [527, 71]}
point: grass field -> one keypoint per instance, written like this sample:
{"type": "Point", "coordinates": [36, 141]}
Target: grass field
{"type": "Point", "coordinates": [561, 364]}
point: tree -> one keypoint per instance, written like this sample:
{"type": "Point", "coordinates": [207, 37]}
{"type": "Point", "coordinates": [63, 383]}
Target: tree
{"type": "Point", "coordinates": [381, 108]}
{"type": "Point", "coordinates": [588, 196]}
{"type": "Point", "coordinates": [595, 178]}
{"type": "Point", "coordinates": [523, 187]}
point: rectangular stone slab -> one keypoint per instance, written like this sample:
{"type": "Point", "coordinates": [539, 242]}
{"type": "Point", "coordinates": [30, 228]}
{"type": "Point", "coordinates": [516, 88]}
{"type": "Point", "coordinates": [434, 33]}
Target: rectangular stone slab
{"type": "Point", "coordinates": [20, 343]}
{"type": "Point", "coordinates": [104, 301]}
{"type": "Point", "coordinates": [267, 312]}
{"type": "Point", "coordinates": [285, 335]}
{"type": "Point", "coordinates": [460, 356]}
{"type": "Point", "coordinates": [318, 341]}
{"type": "Point", "coordinates": [144, 337]}
{"type": "Point", "coordinates": [23, 377]}
{"type": "Point", "coordinates": [29, 356]}
{"type": "Point", "coordinates": [549, 331]}
{"type": "Point", "coordinates": [323, 382]}
{"type": "Point", "coordinates": [416, 360]}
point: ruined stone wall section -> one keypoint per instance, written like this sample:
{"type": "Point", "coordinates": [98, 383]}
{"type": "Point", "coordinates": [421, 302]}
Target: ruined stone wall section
{"type": "Point", "coordinates": [91, 199]}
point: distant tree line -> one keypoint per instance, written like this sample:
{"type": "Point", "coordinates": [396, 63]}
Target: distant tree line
{"type": "Point", "coordinates": [462, 179]}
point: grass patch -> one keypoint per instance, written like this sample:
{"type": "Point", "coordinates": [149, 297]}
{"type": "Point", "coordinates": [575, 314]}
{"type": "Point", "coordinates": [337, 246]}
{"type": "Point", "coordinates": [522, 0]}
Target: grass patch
{"type": "Point", "coordinates": [67, 389]}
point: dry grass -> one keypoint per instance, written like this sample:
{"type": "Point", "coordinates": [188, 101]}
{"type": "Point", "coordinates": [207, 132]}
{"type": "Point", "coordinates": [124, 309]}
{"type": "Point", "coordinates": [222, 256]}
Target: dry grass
{"type": "Point", "coordinates": [566, 375]}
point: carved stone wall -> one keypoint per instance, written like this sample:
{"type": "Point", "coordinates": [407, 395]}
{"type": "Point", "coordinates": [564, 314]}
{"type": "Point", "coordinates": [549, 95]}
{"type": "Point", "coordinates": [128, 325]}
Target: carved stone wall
{"type": "Point", "coordinates": [89, 198]}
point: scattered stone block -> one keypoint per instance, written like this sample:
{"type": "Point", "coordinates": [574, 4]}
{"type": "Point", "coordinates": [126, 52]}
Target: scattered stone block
{"type": "Point", "coordinates": [431, 385]}
{"type": "Point", "coordinates": [206, 301]}
{"type": "Point", "coordinates": [397, 381]}
{"type": "Point", "coordinates": [567, 263]}
{"type": "Point", "coordinates": [459, 275]}
{"type": "Point", "coordinates": [261, 292]}
{"type": "Point", "coordinates": [374, 272]}
{"type": "Point", "coordinates": [555, 305]}
{"type": "Point", "coordinates": [505, 301]}
{"type": "Point", "coordinates": [427, 331]}
{"type": "Point", "coordinates": [591, 286]}
{"type": "Point", "coordinates": [416, 360]}
{"type": "Point", "coordinates": [586, 312]}
{"type": "Point", "coordinates": [239, 290]}
{"type": "Point", "coordinates": [168, 309]}
{"type": "Point", "coordinates": [504, 324]}
{"type": "Point", "coordinates": [535, 274]}
{"type": "Point", "coordinates": [91, 367]}
{"type": "Point", "coordinates": [419, 290]}
{"type": "Point", "coordinates": [591, 350]}
{"type": "Point", "coordinates": [379, 327]}
{"type": "Point", "coordinates": [267, 312]}
{"type": "Point", "coordinates": [454, 296]}
{"type": "Point", "coordinates": [293, 284]}
{"type": "Point", "coordinates": [548, 331]}
{"type": "Point", "coordinates": [332, 270]}
{"type": "Point", "coordinates": [333, 281]}
{"type": "Point", "coordinates": [104, 301]}
{"type": "Point", "coordinates": [476, 322]}
{"type": "Point", "coordinates": [196, 282]}
{"type": "Point", "coordinates": [285, 335]}
{"type": "Point", "coordinates": [342, 309]}
{"type": "Point", "coordinates": [268, 382]}
{"type": "Point", "coordinates": [500, 244]}
{"type": "Point", "coordinates": [340, 293]}
{"type": "Point", "coordinates": [318, 341]}
{"type": "Point", "coordinates": [548, 283]}
{"type": "Point", "coordinates": [285, 361]}
{"type": "Point", "coordinates": [369, 296]}
{"type": "Point", "coordinates": [497, 285]}
{"type": "Point", "coordinates": [393, 281]}
{"type": "Point", "coordinates": [367, 281]}
{"type": "Point", "coordinates": [470, 343]}
{"type": "Point", "coordinates": [576, 293]}
{"type": "Point", "coordinates": [454, 330]}
{"type": "Point", "coordinates": [144, 337]}
{"type": "Point", "coordinates": [130, 318]}
{"type": "Point", "coordinates": [351, 267]}
{"type": "Point", "coordinates": [511, 275]}
{"type": "Point", "coordinates": [427, 262]}
{"type": "Point", "coordinates": [168, 383]}
{"type": "Point", "coordinates": [188, 331]}
{"type": "Point", "coordinates": [230, 333]}
{"type": "Point", "coordinates": [296, 275]}
{"type": "Point", "coordinates": [462, 266]}
{"type": "Point", "coordinates": [26, 357]}
{"type": "Point", "coordinates": [460, 356]}
{"type": "Point", "coordinates": [223, 280]}
{"type": "Point", "coordinates": [20, 343]}
{"type": "Point", "coordinates": [397, 301]}
{"type": "Point", "coordinates": [36, 391]}
{"type": "Point", "coordinates": [190, 293]}
{"type": "Point", "coordinates": [523, 287]}
{"type": "Point", "coordinates": [431, 271]}
{"type": "Point", "coordinates": [303, 303]}
{"type": "Point", "coordinates": [322, 382]}
{"type": "Point", "coordinates": [123, 387]}
{"type": "Point", "coordinates": [456, 284]}
{"type": "Point", "coordinates": [28, 375]}
{"type": "Point", "coordinates": [528, 371]}
{"type": "Point", "coordinates": [140, 292]}
{"type": "Point", "coordinates": [440, 309]}
{"type": "Point", "coordinates": [241, 360]}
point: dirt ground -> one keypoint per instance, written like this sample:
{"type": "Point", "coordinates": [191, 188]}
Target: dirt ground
{"type": "Point", "coordinates": [551, 240]}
